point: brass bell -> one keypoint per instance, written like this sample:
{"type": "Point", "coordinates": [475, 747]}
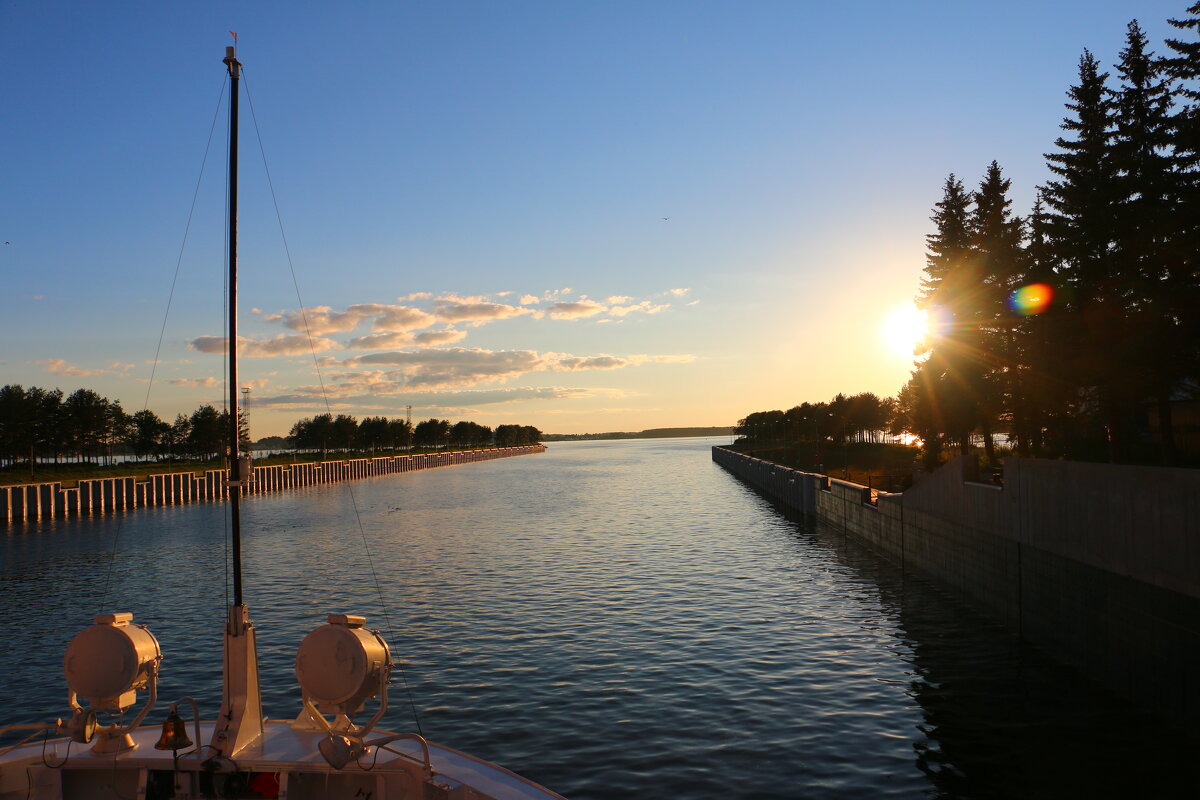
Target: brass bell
{"type": "Point", "coordinates": [174, 733]}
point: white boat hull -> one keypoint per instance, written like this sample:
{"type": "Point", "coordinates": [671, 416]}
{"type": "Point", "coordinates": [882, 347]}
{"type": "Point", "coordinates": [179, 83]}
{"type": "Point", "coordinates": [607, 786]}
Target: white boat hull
{"type": "Point", "coordinates": [62, 769]}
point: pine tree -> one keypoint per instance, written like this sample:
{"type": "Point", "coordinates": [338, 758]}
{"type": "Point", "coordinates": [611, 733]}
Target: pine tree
{"type": "Point", "coordinates": [996, 252]}
{"type": "Point", "coordinates": [1145, 280]}
{"type": "Point", "coordinates": [951, 291]}
{"type": "Point", "coordinates": [950, 246]}
{"type": "Point", "coordinates": [1045, 394]}
{"type": "Point", "coordinates": [1081, 224]}
{"type": "Point", "coordinates": [1184, 66]}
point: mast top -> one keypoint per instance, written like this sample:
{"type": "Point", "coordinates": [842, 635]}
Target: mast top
{"type": "Point", "coordinates": [230, 59]}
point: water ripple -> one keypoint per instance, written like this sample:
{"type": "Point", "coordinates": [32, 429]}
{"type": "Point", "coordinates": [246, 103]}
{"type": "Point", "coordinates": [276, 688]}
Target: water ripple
{"type": "Point", "coordinates": [613, 619]}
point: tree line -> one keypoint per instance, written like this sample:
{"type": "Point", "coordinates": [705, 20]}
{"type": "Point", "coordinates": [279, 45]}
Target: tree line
{"type": "Point", "coordinates": [326, 432]}
{"type": "Point", "coordinates": [1065, 327]}
{"type": "Point", "coordinates": [42, 424]}
{"type": "Point", "coordinates": [39, 424]}
{"type": "Point", "coordinates": [860, 418]}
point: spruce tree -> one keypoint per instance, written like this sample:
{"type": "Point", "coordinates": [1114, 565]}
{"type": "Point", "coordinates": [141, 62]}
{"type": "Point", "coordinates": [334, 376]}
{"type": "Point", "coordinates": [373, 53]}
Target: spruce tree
{"type": "Point", "coordinates": [1146, 278]}
{"type": "Point", "coordinates": [1045, 394]}
{"type": "Point", "coordinates": [950, 245]}
{"type": "Point", "coordinates": [1184, 65]}
{"type": "Point", "coordinates": [1081, 223]}
{"type": "Point", "coordinates": [996, 251]}
{"type": "Point", "coordinates": [951, 291]}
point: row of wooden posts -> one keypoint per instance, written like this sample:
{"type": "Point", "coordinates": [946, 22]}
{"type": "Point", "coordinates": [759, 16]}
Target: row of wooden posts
{"type": "Point", "coordinates": [40, 501]}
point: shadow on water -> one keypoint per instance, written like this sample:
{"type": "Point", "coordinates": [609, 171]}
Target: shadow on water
{"type": "Point", "coordinates": [1003, 718]}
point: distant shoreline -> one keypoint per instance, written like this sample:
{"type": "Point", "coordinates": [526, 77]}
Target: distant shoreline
{"type": "Point", "coordinates": [651, 433]}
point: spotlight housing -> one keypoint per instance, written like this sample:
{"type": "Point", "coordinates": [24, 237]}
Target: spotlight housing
{"type": "Point", "coordinates": [340, 665]}
{"type": "Point", "coordinates": [109, 661]}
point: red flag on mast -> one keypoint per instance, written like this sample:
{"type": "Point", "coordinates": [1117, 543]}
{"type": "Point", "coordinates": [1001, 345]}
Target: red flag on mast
{"type": "Point", "coordinates": [234, 35]}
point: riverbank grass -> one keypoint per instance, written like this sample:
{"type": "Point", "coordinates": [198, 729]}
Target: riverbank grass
{"type": "Point", "coordinates": [883, 466]}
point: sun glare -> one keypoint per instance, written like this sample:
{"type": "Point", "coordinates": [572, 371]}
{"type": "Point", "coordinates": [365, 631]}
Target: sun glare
{"type": "Point", "coordinates": [903, 329]}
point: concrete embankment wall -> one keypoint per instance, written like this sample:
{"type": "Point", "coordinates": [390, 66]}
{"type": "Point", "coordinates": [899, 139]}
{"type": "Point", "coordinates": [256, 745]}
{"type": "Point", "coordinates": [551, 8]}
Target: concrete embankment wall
{"type": "Point", "coordinates": [38, 501]}
{"type": "Point", "coordinates": [1096, 563]}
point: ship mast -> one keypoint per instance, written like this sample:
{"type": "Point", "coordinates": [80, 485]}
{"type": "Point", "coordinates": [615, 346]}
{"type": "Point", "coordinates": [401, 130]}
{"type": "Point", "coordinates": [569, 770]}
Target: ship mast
{"type": "Point", "coordinates": [240, 721]}
{"type": "Point", "coordinates": [235, 471]}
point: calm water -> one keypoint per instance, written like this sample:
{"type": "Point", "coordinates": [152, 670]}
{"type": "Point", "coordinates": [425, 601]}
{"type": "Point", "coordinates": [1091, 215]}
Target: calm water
{"type": "Point", "coordinates": [612, 619]}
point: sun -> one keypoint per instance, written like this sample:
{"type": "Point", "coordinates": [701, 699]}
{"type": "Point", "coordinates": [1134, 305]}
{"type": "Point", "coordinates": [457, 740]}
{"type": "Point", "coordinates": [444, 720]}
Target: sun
{"type": "Point", "coordinates": [903, 329]}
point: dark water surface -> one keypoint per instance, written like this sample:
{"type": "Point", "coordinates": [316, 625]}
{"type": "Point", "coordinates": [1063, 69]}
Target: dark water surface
{"type": "Point", "coordinates": [612, 619]}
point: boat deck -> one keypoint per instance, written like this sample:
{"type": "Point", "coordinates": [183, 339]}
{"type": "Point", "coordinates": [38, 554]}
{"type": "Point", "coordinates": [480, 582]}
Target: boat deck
{"type": "Point", "coordinates": [285, 763]}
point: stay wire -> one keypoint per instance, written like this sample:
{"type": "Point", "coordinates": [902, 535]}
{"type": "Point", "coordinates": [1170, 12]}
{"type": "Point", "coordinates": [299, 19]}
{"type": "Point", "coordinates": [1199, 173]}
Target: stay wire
{"type": "Point", "coordinates": [166, 315]}
{"type": "Point", "coordinates": [183, 245]}
{"type": "Point", "coordinates": [324, 396]}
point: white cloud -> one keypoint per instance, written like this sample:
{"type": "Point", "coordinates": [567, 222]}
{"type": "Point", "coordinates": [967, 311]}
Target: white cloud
{"type": "Point", "coordinates": [320, 320]}
{"type": "Point", "coordinates": [425, 400]}
{"type": "Point", "coordinates": [401, 318]}
{"type": "Point", "coordinates": [445, 368]}
{"type": "Point", "coordinates": [447, 336]}
{"type": "Point", "coordinates": [644, 307]}
{"type": "Point", "coordinates": [380, 341]}
{"type": "Point", "coordinates": [452, 308]}
{"type": "Point", "coordinates": [584, 308]}
{"type": "Point", "coordinates": [675, 359]}
{"type": "Point", "coordinates": [590, 362]}
{"type": "Point", "coordinates": [198, 383]}
{"type": "Point", "coordinates": [456, 366]}
{"type": "Point", "coordinates": [59, 366]}
{"type": "Point", "coordinates": [281, 345]}
{"type": "Point", "coordinates": [391, 341]}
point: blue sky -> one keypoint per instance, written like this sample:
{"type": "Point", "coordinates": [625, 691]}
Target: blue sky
{"type": "Point", "coordinates": [481, 187]}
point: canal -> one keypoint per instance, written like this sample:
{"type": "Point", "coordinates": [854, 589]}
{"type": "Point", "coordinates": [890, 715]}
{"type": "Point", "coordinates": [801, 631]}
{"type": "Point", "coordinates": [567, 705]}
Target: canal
{"type": "Point", "coordinates": [612, 619]}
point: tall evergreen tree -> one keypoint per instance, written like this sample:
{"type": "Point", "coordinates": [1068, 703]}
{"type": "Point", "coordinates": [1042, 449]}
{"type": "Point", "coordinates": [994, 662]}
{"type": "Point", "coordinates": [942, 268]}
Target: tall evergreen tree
{"type": "Point", "coordinates": [1146, 279]}
{"type": "Point", "coordinates": [1045, 392]}
{"type": "Point", "coordinates": [1083, 201]}
{"type": "Point", "coordinates": [996, 250]}
{"type": "Point", "coordinates": [1184, 65]}
{"type": "Point", "coordinates": [952, 292]}
{"type": "Point", "coordinates": [949, 247]}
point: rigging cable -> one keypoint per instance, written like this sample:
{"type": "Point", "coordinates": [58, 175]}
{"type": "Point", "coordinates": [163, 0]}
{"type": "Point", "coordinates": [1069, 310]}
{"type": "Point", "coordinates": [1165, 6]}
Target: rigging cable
{"type": "Point", "coordinates": [166, 315]}
{"type": "Point", "coordinates": [325, 397]}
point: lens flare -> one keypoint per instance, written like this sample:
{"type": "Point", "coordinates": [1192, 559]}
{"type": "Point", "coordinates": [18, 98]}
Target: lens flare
{"type": "Point", "coordinates": [1032, 299]}
{"type": "Point", "coordinates": [940, 322]}
{"type": "Point", "coordinates": [904, 329]}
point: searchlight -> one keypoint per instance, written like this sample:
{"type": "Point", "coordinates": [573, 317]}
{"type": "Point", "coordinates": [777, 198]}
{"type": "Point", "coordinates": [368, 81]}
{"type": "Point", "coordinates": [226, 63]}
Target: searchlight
{"type": "Point", "coordinates": [340, 666]}
{"type": "Point", "coordinates": [106, 664]}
